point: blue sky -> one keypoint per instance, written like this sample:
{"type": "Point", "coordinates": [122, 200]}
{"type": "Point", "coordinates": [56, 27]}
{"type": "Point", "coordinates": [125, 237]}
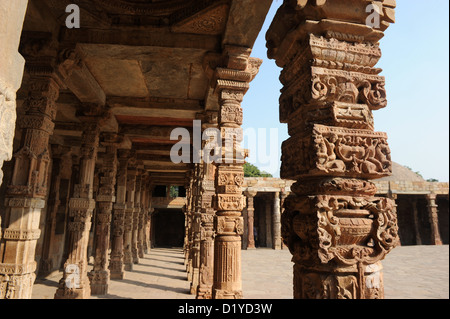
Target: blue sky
{"type": "Point", "coordinates": [416, 66]}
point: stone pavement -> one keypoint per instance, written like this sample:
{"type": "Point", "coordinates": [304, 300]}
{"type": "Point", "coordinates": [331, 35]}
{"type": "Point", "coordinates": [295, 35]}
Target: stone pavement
{"type": "Point", "coordinates": [410, 272]}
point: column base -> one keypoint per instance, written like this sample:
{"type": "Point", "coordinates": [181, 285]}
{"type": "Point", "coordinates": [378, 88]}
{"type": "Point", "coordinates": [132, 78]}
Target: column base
{"type": "Point", "coordinates": [223, 294]}
{"type": "Point", "coordinates": [99, 282]}
{"type": "Point", "coordinates": [128, 267]}
{"type": "Point", "coordinates": [339, 283]}
{"type": "Point", "coordinates": [204, 293]}
{"type": "Point", "coordinates": [116, 269]}
{"type": "Point", "coordinates": [195, 281]}
{"type": "Point", "coordinates": [16, 286]}
{"type": "Point", "coordinates": [84, 292]}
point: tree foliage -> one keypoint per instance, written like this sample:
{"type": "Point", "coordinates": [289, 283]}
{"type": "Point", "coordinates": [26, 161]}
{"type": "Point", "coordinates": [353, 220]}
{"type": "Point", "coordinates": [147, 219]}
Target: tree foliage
{"type": "Point", "coordinates": [251, 170]}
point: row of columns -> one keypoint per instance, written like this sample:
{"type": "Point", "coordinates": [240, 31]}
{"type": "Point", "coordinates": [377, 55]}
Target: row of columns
{"type": "Point", "coordinates": [214, 222]}
{"type": "Point", "coordinates": [432, 208]}
{"type": "Point", "coordinates": [27, 194]}
{"type": "Point", "coordinates": [272, 216]}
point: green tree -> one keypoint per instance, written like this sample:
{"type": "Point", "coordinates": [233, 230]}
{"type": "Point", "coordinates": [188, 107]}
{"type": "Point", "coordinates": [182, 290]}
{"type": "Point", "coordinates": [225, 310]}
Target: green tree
{"type": "Point", "coordinates": [251, 170]}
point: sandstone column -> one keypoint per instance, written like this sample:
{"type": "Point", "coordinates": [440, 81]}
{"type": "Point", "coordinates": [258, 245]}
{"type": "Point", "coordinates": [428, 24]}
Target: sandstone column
{"type": "Point", "coordinates": [207, 192]}
{"type": "Point", "coordinates": [75, 283]}
{"type": "Point", "coordinates": [136, 213]}
{"type": "Point", "coordinates": [12, 15]}
{"type": "Point", "coordinates": [27, 190]}
{"type": "Point", "coordinates": [276, 222]}
{"type": "Point", "coordinates": [147, 208]}
{"type": "Point", "coordinates": [56, 204]}
{"type": "Point", "coordinates": [434, 221]}
{"type": "Point", "coordinates": [196, 229]}
{"type": "Point", "coordinates": [335, 227]}
{"type": "Point", "coordinates": [284, 195]}
{"type": "Point", "coordinates": [416, 222]}
{"type": "Point", "coordinates": [142, 214]}
{"type": "Point", "coordinates": [251, 219]}
{"type": "Point", "coordinates": [231, 85]}
{"type": "Point", "coordinates": [116, 263]}
{"type": "Point", "coordinates": [100, 275]}
{"type": "Point", "coordinates": [269, 219]}
{"type": "Point", "coordinates": [128, 230]}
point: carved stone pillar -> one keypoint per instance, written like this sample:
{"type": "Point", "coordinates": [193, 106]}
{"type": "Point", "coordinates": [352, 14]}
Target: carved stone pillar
{"type": "Point", "coordinates": [56, 205]}
{"type": "Point", "coordinates": [434, 221]}
{"type": "Point", "coordinates": [416, 222]}
{"type": "Point", "coordinates": [129, 211]}
{"type": "Point", "coordinates": [116, 263]}
{"type": "Point", "coordinates": [276, 222]}
{"type": "Point", "coordinates": [207, 192]}
{"type": "Point", "coordinates": [136, 213]}
{"type": "Point", "coordinates": [75, 283]}
{"type": "Point", "coordinates": [147, 218]}
{"type": "Point", "coordinates": [232, 83]}
{"type": "Point", "coordinates": [335, 227]}
{"type": "Point", "coordinates": [284, 195]}
{"type": "Point", "coordinates": [196, 229]}
{"type": "Point", "coordinates": [12, 15]}
{"type": "Point", "coordinates": [251, 219]}
{"type": "Point", "coordinates": [142, 213]}
{"type": "Point", "coordinates": [189, 226]}
{"type": "Point", "coordinates": [28, 188]}
{"type": "Point", "coordinates": [269, 220]}
{"type": "Point", "coordinates": [106, 198]}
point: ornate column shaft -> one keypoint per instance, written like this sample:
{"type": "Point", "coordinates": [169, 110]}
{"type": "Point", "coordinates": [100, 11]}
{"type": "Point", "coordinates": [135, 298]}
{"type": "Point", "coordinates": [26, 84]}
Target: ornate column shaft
{"type": "Point", "coordinates": [207, 192]}
{"type": "Point", "coordinates": [269, 221]}
{"type": "Point", "coordinates": [116, 263]}
{"type": "Point", "coordinates": [61, 169]}
{"type": "Point", "coordinates": [142, 213]}
{"type": "Point", "coordinates": [434, 220]}
{"type": "Point", "coordinates": [232, 82]}
{"type": "Point", "coordinates": [147, 208]}
{"type": "Point", "coordinates": [416, 222]}
{"type": "Point", "coordinates": [128, 230]}
{"type": "Point", "coordinates": [276, 222]}
{"type": "Point", "coordinates": [106, 198]}
{"type": "Point", "coordinates": [196, 229]}
{"type": "Point", "coordinates": [335, 227]}
{"type": "Point", "coordinates": [251, 219]}
{"type": "Point", "coordinates": [136, 213]}
{"type": "Point", "coordinates": [75, 283]}
{"type": "Point", "coordinates": [12, 14]}
{"type": "Point", "coordinates": [28, 188]}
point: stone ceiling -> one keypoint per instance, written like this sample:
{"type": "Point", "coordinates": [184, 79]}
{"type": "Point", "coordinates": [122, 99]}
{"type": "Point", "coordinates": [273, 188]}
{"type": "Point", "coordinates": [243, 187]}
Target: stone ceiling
{"type": "Point", "coordinates": [144, 60]}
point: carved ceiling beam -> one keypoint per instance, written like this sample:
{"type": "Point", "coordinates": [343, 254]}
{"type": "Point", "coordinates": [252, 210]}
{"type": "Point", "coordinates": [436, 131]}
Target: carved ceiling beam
{"type": "Point", "coordinates": [154, 38]}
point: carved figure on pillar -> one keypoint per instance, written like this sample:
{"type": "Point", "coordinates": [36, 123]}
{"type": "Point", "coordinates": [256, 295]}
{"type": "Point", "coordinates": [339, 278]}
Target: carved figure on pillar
{"type": "Point", "coordinates": [334, 226]}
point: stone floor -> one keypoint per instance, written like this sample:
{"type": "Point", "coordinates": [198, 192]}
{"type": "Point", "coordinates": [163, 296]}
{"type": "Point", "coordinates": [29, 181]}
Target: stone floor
{"type": "Point", "coordinates": [410, 272]}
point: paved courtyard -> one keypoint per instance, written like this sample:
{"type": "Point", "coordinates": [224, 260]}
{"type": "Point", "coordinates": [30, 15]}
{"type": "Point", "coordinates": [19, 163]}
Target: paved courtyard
{"type": "Point", "coordinates": [412, 272]}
